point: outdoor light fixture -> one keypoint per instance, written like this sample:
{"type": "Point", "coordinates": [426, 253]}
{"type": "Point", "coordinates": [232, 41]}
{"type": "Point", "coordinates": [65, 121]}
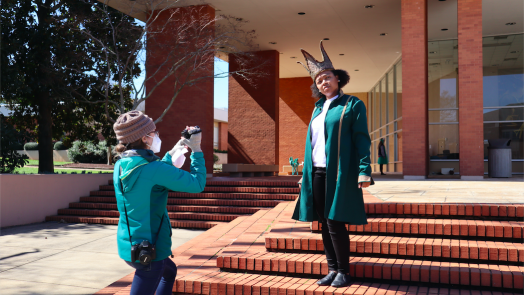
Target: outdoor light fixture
{"type": "Point", "coordinates": [341, 54]}
{"type": "Point", "coordinates": [326, 39]}
{"type": "Point", "coordinates": [301, 13]}
{"type": "Point", "coordinates": [356, 70]}
{"type": "Point", "coordinates": [383, 34]}
{"type": "Point", "coordinates": [511, 24]}
{"type": "Point", "coordinates": [432, 52]}
{"type": "Point", "coordinates": [273, 43]}
{"type": "Point", "coordinates": [444, 29]}
{"type": "Point", "coordinates": [369, 6]}
{"type": "Point", "coordinates": [293, 57]}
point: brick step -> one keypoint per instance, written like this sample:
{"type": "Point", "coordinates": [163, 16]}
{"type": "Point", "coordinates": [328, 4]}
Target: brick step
{"type": "Point", "coordinates": [112, 220]}
{"type": "Point", "coordinates": [173, 208]}
{"type": "Point", "coordinates": [214, 189]}
{"type": "Point", "coordinates": [437, 272]}
{"type": "Point", "coordinates": [218, 283]}
{"type": "Point", "coordinates": [245, 183]}
{"type": "Point", "coordinates": [235, 196]}
{"type": "Point", "coordinates": [196, 202]}
{"type": "Point", "coordinates": [439, 227]}
{"type": "Point", "coordinates": [172, 215]}
{"type": "Point", "coordinates": [390, 246]}
{"type": "Point", "coordinates": [447, 210]}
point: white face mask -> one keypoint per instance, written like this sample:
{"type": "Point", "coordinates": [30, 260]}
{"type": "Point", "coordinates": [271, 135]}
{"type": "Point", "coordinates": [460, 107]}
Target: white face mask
{"type": "Point", "coordinates": [157, 143]}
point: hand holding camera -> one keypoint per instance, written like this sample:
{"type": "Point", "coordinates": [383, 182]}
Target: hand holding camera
{"type": "Point", "coordinates": [192, 138]}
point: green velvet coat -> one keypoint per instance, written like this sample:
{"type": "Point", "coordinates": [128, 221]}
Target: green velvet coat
{"type": "Point", "coordinates": [344, 200]}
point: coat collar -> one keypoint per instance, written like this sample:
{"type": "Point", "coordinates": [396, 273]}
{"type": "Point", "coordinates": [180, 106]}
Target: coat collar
{"type": "Point", "coordinates": [322, 99]}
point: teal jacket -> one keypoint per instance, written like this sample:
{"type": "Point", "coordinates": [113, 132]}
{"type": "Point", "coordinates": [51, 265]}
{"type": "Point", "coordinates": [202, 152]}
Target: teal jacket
{"type": "Point", "coordinates": [347, 163]}
{"type": "Point", "coordinates": [142, 182]}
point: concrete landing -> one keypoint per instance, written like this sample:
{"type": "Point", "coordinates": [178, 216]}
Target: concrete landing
{"type": "Point", "coordinates": [59, 259]}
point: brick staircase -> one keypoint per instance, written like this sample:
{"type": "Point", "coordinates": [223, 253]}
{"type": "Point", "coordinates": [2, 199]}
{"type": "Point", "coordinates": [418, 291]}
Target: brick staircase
{"type": "Point", "coordinates": [220, 202]}
{"type": "Point", "coordinates": [405, 248]}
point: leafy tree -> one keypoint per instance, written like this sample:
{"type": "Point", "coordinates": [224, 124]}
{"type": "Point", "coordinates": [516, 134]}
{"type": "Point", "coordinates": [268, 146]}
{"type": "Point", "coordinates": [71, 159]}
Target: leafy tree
{"type": "Point", "coordinates": [11, 141]}
{"type": "Point", "coordinates": [48, 68]}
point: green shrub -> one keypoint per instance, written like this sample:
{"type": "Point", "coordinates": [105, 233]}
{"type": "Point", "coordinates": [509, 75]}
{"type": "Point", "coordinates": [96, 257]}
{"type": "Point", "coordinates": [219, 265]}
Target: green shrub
{"type": "Point", "coordinates": [88, 152]}
{"type": "Point", "coordinates": [215, 158]}
{"type": "Point", "coordinates": [31, 146]}
{"type": "Point", "coordinates": [59, 146]}
{"type": "Point", "coordinates": [219, 151]}
{"type": "Point", "coordinates": [10, 142]}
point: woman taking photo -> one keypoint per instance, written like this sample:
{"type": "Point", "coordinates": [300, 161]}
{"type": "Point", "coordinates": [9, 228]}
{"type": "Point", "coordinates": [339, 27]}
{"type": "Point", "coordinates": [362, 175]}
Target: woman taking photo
{"type": "Point", "coordinates": [141, 182]}
{"type": "Point", "coordinates": [336, 165]}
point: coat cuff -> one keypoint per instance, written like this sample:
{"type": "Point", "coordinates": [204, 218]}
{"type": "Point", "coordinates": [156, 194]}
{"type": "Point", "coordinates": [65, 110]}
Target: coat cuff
{"type": "Point", "coordinates": [364, 178]}
{"type": "Point", "coordinates": [300, 181]}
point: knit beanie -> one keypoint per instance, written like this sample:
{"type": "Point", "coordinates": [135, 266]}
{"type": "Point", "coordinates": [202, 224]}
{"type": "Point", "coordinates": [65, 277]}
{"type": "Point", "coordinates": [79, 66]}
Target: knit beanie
{"type": "Point", "coordinates": [132, 126]}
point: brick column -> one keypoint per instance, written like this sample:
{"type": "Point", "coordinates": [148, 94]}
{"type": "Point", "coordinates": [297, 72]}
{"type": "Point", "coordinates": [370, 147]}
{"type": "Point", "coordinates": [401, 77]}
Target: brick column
{"type": "Point", "coordinates": [222, 136]}
{"type": "Point", "coordinates": [296, 107]}
{"type": "Point", "coordinates": [470, 98]}
{"type": "Point", "coordinates": [253, 113]}
{"type": "Point", "coordinates": [415, 89]}
{"type": "Point", "coordinates": [194, 105]}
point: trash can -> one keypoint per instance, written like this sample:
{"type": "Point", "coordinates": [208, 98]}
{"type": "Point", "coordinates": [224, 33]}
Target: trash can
{"type": "Point", "coordinates": [499, 158]}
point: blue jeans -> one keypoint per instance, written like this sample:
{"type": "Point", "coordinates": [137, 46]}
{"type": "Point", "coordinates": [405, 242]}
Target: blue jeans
{"type": "Point", "coordinates": [158, 276]}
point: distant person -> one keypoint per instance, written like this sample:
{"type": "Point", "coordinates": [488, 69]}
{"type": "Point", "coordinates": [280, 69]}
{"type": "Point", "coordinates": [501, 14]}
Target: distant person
{"type": "Point", "coordinates": [336, 166]}
{"type": "Point", "coordinates": [141, 183]}
{"type": "Point", "coordinates": [382, 156]}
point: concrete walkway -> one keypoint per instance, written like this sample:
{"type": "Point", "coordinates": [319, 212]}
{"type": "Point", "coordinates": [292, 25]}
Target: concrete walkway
{"type": "Point", "coordinates": [392, 188]}
{"type": "Point", "coordinates": [55, 258]}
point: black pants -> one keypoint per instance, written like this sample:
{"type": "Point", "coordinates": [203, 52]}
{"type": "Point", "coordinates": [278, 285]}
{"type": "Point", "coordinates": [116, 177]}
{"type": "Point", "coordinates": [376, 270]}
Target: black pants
{"type": "Point", "coordinates": [334, 233]}
{"type": "Point", "coordinates": [381, 168]}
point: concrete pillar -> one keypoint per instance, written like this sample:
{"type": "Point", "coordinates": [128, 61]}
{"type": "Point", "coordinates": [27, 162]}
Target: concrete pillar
{"type": "Point", "coordinates": [296, 107]}
{"type": "Point", "coordinates": [253, 113]}
{"type": "Point", "coordinates": [194, 105]}
{"type": "Point", "coordinates": [415, 89]}
{"type": "Point", "coordinates": [470, 91]}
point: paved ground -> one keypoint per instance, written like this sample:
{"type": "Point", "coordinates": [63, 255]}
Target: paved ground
{"type": "Point", "coordinates": [54, 258]}
{"type": "Point", "coordinates": [393, 188]}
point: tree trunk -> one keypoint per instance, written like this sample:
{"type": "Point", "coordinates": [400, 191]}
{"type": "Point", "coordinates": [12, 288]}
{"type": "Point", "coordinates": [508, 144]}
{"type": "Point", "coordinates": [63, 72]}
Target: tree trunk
{"type": "Point", "coordinates": [109, 156]}
{"type": "Point", "coordinates": [45, 135]}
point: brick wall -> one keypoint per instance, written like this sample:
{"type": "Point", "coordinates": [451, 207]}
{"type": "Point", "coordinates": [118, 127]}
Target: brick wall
{"type": "Point", "coordinates": [253, 113]}
{"type": "Point", "coordinates": [415, 90]}
{"type": "Point", "coordinates": [470, 88]}
{"type": "Point", "coordinates": [222, 136]}
{"type": "Point", "coordinates": [194, 105]}
{"type": "Point", "coordinates": [296, 107]}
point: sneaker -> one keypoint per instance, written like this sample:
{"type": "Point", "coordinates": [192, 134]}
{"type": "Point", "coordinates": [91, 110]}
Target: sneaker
{"type": "Point", "coordinates": [327, 280]}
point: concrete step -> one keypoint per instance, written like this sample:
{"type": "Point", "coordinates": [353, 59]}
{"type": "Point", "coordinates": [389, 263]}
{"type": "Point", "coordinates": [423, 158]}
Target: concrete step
{"type": "Point", "coordinates": [172, 215]}
{"type": "Point", "coordinates": [196, 202]}
{"type": "Point", "coordinates": [235, 196]}
{"type": "Point", "coordinates": [418, 248]}
{"type": "Point", "coordinates": [390, 269]}
{"type": "Point", "coordinates": [233, 189]}
{"type": "Point", "coordinates": [249, 284]}
{"type": "Point", "coordinates": [174, 208]}
{"type": "Point", "coordinates": [112, 220]}
{"type": "Point", "coordinates": [439, 227]}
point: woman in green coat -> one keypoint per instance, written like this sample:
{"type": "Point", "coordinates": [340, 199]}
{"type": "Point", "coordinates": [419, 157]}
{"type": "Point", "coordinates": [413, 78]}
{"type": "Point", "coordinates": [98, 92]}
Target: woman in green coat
{"type": "Point", "coordinates": [336, 165]}
{"type": "Point", "coordinates": [382, 156]}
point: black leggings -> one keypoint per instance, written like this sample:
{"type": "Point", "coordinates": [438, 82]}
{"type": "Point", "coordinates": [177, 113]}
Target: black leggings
{"type": "Point", "coordinates": [334, 233]}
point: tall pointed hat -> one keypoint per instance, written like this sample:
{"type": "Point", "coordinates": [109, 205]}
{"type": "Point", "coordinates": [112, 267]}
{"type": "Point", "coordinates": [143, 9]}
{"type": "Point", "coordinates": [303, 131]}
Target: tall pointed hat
{"type": "Point", "coordinates": [315, 67]}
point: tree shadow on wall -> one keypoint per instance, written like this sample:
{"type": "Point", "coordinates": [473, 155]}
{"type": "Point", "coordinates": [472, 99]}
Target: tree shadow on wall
{"type": "Point", "coordinates": [236, 152]}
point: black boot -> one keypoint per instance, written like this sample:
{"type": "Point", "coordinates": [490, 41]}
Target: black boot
{"type": "Point", "coordinates": [341, 280]}
{"type": "Point", "coordinates": [326, 281]}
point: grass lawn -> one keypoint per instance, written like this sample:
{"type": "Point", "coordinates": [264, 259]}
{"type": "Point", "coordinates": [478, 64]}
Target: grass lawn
{"type": "Point", "coordinates": [34, 170]}
{"type": "Point", "coordinates": [35, 163]}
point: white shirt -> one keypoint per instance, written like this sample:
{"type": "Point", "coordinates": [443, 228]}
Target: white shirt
{"type": "Point", "coordinates": [318, 138]}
